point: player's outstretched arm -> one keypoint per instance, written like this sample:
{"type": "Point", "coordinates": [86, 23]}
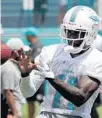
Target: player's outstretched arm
{"type": "Point", "coordinates": [25, 65]}
{"type": "Point", "coordinates": [77, 95]}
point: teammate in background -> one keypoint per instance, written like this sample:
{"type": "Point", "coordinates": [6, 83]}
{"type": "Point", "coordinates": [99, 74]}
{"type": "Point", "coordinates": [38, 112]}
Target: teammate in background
{"type": "Point", "coordinates": [10, 81]}
{"type": "Point", "coordinates": [35, 44]}
{"type": "Point", "coordinates": [74, 69]}
{"type": "Point", "coordinates": [35, 100]}
{"type": "Point", "coordinates": [40, 9]}
{"type": "Point", "coordinates": [4, 55]}
{"type": "Point", "coordinates": [62, 11]}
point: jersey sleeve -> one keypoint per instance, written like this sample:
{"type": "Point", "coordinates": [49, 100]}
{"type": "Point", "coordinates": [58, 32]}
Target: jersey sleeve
{"type": "Point", "coordinates": [29, 85]}
{"type": "Point", "coordinates": [98, 43]}
{"type": "Point", "coordinates": [46, 54]}
{"type": "Point", "coordinates": [8, 80]}
{"type": "Point", "coordinates": [95, 71]}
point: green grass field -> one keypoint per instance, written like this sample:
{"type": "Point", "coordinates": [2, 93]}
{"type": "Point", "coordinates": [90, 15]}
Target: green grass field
{"type": "Point", "coordinates": [25, 112]}
{"type": "Point", "coordinates": [99, 110]}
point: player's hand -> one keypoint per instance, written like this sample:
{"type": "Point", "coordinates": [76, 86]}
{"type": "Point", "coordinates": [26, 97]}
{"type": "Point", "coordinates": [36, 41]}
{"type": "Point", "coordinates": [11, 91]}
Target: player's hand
{"type": "Point", "coordinates": [24, 62]}
{"type": "Point", "coordinates": [44, 71]}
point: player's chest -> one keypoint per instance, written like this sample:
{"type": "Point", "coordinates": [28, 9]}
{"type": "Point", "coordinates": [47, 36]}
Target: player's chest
{"type": "Point", "coordinates": [64, 65]}
{"type": "Point", "coordinates": [67, 70]}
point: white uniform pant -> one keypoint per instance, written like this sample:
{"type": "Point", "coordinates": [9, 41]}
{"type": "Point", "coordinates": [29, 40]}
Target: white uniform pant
{"type": "Point", "coordinates": [45, 114]}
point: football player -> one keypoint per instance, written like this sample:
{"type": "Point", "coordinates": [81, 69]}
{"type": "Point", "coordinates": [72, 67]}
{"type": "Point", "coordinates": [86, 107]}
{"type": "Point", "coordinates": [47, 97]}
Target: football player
{"type": "Point", "coordinates": [73, 68]}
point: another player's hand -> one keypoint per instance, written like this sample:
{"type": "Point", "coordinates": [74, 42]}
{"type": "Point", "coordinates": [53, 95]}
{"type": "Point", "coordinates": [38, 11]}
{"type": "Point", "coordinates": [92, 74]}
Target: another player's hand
{"type": "Point", "coordinates": [44, 71]}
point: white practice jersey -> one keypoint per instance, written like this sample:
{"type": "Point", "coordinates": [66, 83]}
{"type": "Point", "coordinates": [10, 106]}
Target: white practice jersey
{"type": "Point", "coordinates": [69, 70]}
{"type": "Point", "coordinates": [98, 43]}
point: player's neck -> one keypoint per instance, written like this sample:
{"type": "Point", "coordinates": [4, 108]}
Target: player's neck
{"type": "Point", "coordinates": [33, 41]}
{"type": "Point", "coordinates": [78, 54]}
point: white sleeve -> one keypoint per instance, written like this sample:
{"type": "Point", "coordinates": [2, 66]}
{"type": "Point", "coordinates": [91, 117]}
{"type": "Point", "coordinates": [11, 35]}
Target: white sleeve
{"type": "Point", "coordinates": [47, 54]}
{"type": "Point", "coordinates": [44, 56]}
{"type": "Point", "coordinates": [98, 43]}
{"type": "Point", "coordinates": [29, 85]}
{"type": "Point", "coordinates": [8, 80]}
{"type": "Point", "coordinates": [95, 71]}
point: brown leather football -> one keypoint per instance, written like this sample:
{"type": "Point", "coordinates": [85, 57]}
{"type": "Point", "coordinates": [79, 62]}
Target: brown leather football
{"type": "Point", "coordinates": [5, 52]}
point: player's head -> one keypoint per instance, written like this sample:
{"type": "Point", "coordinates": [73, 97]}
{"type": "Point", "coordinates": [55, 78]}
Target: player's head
{"type": "Point", "coordinates": [31, 34]}
{"type": "Point", "coordinates": [15, 43]}
{"type": "Point", "coordinates": [79, 28]}
{"type": "Point", "coordinates": [18, 47]}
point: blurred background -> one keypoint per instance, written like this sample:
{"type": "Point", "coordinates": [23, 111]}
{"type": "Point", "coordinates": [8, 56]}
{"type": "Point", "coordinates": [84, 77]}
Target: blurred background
{"type": "Point", "coordinates": [16, 15]}
{"type": "Point", "coordinates": [45, 15]}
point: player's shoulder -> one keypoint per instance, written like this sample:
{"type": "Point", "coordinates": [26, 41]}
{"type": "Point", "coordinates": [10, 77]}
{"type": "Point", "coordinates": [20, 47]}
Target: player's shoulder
{"type": "Point", "coordinates": [93, 64]}
{"type": "Point", "coordinates": [98, 42]}
{"type": "Point", "coordinates": [8, 66]}
{"type": "Point", "coordinates": [95, 56]}
{"type": "Point", "coordinates": [98, 39]}
{"type": "Point", "coordinates": [96, 53]}
{"type": "Point", "coordinates": [52, 48]}
{"type": "Point", "coordinates": [5, 64]}
{"type": "Point", "coordinates": [50, 51]}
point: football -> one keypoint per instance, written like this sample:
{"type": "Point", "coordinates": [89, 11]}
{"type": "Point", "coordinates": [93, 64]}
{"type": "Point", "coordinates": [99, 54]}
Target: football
{"type": "Point", "coordinates": [5, 52]}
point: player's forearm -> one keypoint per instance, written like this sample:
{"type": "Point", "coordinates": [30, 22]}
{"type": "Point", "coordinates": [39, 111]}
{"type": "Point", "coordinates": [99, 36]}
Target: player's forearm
{"type": "Point", "coordinates": [10, 101]}
{"type": "Point", "coordinates": [73, 94]}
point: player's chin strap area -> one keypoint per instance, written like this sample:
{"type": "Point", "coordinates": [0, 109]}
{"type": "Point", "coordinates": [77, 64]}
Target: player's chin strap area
{"type": "Point", "coordinates": [74, 50]}
{"type": "Point", "coordinates": [71, 49]}
{"type": "Point", "coordinates": [68, 48]}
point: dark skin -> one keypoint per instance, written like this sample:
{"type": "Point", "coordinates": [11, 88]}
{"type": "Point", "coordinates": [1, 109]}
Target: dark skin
{"type": "Point", "coordinates": [23, 61]}
{"type": "Point", "coordinates": [77, 95]}
{"type": "Point", "coordinates": [31, 39]}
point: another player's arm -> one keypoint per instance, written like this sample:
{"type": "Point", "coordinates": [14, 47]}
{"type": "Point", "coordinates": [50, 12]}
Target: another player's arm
{"type": "Point", "coordinates": [77, 95]}
{"type": "Point", "coordinates": [10, 101]}
{"type": "Point", "coordinates": [8, 85]}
